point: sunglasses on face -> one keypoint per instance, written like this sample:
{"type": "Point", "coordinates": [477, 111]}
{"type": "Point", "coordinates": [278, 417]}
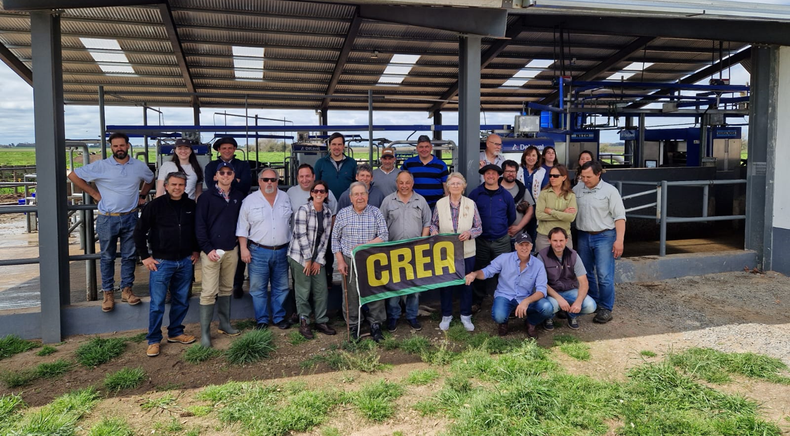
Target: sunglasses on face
{"type": "Point", "coordinates": [269, 179]}
{"type": "Point", "coordinates": [555, 176]}
{"type": "Point", "coordinates": [318, 191]}
{"type": "Point", "coordinates": [225, 173]}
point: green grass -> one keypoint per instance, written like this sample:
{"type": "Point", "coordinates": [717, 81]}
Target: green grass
{"type": "Point", "coordinates": [59, 418]}
{"type": "Point", "coordinates": [647, 353]}
{"type": "Point", "coordinates": [171, 426]}
{"type": "Point", "coordinates": [198, 353]}
{"type": "Point", "coordinates": [14, 379]}
{"type": "Point", "coordinates": [111, 427]}
{"type": "Point", "coordinates": [245, 324]}
{"type": "Point", "coordinates": [137, 339]}
{"type": "Point", "coordinates": [125, 378]}
{"type": "Point", "coordinates": [375, 399]}
{"type": "Point", "coordinates": [296, 338]}
{"type": "Point", "coordinates": [98, 351]}
{"type": "Point", "coordinates": [415, 345]}
{"type": "Point", "coordinates": [422, 377]}
{"type": "Point", "coordinates": [13, 344]}
{"type": "Point", "coordinates": [10, 410]}
{"type": "Point", "coordinates": [164, 402]}
{"type": "Point", "coordinates": [54, 369]}
{"type": "Point", "coordinates": [715, 366]}
{"type": "Point", "coordinates": [572, 346]}
{"type": "Point", "coordinates": [200, 411]}
{"type": "Point", "coordinates": [46, 350]}
{"type": "Point", "coordinates": [251, 347]}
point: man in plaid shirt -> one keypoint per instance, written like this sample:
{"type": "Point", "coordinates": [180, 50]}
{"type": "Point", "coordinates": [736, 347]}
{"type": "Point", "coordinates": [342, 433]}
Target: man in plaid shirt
{"type": "Point", "coordinates": [358, 224]}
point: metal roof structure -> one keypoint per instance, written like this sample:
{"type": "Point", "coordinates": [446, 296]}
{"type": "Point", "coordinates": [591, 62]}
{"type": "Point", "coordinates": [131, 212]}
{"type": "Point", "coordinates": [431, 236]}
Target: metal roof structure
{"type": "Point", "coordinates": [181, 53]}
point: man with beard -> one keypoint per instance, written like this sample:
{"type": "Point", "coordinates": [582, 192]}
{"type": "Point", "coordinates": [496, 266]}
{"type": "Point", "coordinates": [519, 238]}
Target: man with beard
{"type": "Point", "coordinates": [264, 231]}
{"type": "Point", "coordinates": [118, 194]}
{"type": "Point", "coordinates": [517, 190]}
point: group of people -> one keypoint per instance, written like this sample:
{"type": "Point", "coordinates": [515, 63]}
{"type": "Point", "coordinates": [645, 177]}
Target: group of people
{"type": "Point", "coordinates": [336, 206]}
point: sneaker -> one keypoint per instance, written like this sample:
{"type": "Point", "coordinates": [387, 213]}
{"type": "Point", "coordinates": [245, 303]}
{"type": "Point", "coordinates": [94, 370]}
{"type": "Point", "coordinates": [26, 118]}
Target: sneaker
{"type": "Point", "coordinates": [392, 324]}
{"type": "Point", "coordinates": [284, 324]}
{"type": "Point", "coordinates": [603, 316]}
{"type": "Point", "coordinates": [548, 325]}
{"type": "Point", "coordinates": [467, 322]}
{"type": "Point", "coordinates": [414, 324]}
{"type": "Point", "coordinates": [153, 350]}
{"type": "Point", "coordinates": [109, 301]}
{"type": "Point", "coordinates": [375, 332]}
{"type": "Point", "coordinates": [182, 339]}
{"type": "Point", "coordinates": [445, 324]}
{"type": "Point", "coordinates": [573, 323]}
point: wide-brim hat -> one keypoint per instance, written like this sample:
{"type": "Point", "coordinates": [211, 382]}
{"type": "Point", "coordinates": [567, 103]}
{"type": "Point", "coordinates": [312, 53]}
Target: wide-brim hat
{"type": "Point", "coordinates": [491, 167]}
{"type": "Point", "coordinates": [225, 140]}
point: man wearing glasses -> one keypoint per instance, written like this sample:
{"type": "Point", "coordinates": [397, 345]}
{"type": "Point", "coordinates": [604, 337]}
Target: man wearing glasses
{"type": "Point", "coordinates": [264, 231]}
{"type": "Point", "coordinates": [492, 155]}
{"type": "Point", "coordinates": [386, 175]}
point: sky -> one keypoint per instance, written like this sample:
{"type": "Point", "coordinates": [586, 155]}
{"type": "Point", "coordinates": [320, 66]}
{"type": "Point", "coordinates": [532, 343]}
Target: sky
{"type": "Point", "coordinates": [82, 122]}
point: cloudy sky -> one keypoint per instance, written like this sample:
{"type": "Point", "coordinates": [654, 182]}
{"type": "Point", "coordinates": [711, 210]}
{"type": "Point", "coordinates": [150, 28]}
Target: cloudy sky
{"type": "Point", "coordinates": [82, 122]}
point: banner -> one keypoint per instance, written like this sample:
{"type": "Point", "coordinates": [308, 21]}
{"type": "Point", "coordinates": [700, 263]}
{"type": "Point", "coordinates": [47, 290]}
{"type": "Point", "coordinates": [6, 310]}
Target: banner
{"type": "Point", "coordinates": [392, 269]}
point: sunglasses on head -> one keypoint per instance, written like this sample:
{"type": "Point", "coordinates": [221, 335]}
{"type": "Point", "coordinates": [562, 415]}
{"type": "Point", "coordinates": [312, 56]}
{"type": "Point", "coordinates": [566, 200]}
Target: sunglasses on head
{"type": "Point", "coordinates": [318, 191]}
{"type": "Point", "coordinates": [269, 179]}
{"type": "Point", "coordinates": [555, 176]}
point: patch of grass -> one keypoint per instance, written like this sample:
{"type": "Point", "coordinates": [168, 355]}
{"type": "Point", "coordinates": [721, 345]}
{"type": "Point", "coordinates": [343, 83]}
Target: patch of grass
{"type": "Point", "coordinates": [440, 357]}
{"type": "Point", "coordinates": [422, 377]}
{"type": "Point", "coordinates": [716, 366]}
{"type": "Point", "coordinates": [54, 369]}
{"type": "Point", "coordinates": [458, 333]}
{"type": "Point", "coordinates": [111, 427]}
{"type": "Point", "coordinates": [330, 431]}
{"type": "Point", "coordinates": [171, 426]}
{"type": "Point", "coordinates": [13, 344]}
{"type": "Point", "coordinates": [367, 361]}
{"type": "Point", "coordinates": [163, 402]}
{"type": "Point", "coordinates": [389, 343]}
{"type": "Point", "coordinates": [125, 378]}
{"type": "Point", "coordinates": [10, 407]}
{"type": "Point", "coordinates": [375, 400]}
{"type": "Point", "coordinates": [572, 346]}
{"type": "Point", "coordinates": [198, 353]}
{"type": "Point", "coordinates": [647, 353]}
{"type": "Point", "coordinates": [137, 339]}
{"type": "Point", "coordinates": [251, 347]}
{"type": "Point", "coordinates": [15, 379]}
{"type": "Point", "coordinates": [493, 344]}
{"type": "Point", "coordinates": [46, 350]}
{"type": "Point", "coordinates": [415, 345]}
{"type": "Point", "coordinates": [60, 416]}
{"type": "Point", "coordinates": [170, 386]}
{"type": "Point", "coordinates": [98, 351]}
{"type": "Point", "coordinates": [199, 411]}
{"type": "Point", "coordinates": [245, 324]}
{"type": "Point", "coordinates": [296, 338]}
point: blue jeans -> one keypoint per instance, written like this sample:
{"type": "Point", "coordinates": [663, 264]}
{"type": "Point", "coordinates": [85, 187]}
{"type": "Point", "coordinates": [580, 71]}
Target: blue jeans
{"type": "Point", "coordinates": [464, 293]}
{"type": "Point", "coordinates": [109, 229]}
{"type": "Point", "coordinates": [537, 311]}
{"type": "Point", "coordinates": [598, 259]}
{"type": "Point", "coordinates": [588, 305]}
{"type": "Point", "coordinates": [268, 265]}
{"type": "Point", "coordinates": [176, 275]}
{"type": "Point", "coordinates": [412, 306]}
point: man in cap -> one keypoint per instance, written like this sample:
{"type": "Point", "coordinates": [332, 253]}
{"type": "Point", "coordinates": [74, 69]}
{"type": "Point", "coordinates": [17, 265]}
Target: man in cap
{"type": "Point", "coordinates": [430, 172]}
{"type": "Point", "coordinates": [497, 211]}
{"type": "Point", "coordinates": [386, 175]}
{"type": "Point", "coordinates": [226, 146]}
{"type": "Point", "coordinates": [118, 193]}
{"type": "Point", "coordinates": [522, 285]}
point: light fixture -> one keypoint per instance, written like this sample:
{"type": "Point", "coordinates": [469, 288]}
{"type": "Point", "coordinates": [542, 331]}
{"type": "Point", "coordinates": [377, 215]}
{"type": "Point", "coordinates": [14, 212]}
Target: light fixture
{"type": "Point", "coordinates": [375, 54]}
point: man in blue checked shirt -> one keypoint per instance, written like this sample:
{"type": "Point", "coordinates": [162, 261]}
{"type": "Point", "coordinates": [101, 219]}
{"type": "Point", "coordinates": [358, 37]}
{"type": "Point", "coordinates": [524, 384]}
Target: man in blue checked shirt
{"type": "Point", "coordinates": [522, 285]}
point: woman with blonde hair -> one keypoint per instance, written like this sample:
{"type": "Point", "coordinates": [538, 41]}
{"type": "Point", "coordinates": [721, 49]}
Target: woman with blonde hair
{"type": "Point", "coordinates": [456, 213]}
{"type": "Point", "coordinates": [556, 207]}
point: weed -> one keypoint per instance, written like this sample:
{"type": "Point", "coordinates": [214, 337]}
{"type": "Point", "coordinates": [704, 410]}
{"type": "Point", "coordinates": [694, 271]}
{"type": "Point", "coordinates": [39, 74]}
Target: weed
{"type": "Point", "coordinates": [46, 350]}
{"type": "Point", "coordinates": [572, 346]}
{"type": "Point", "coordinates": [198, 353]}
{"type": "Point", "coordinates": [493, 344]}
{"type": "Point", "coordinates": [10, 405]}
{"type": "Point", "coordinates": [389, 343]}
{"type": "Point", "coordinates": [415, 345]}
{"type": "Point", "coordinates": [125, 378]}
{"type": "Point", "coordinates": [296, 338]}
{"type": "Point", "coordinates": [365, 362]}
{"type": "Point", "coordinates": [647, 353]}
{"type": "Point", "coordinates": [111, 427]}
{"type": "Point", "coordinates": [170, 386]}
{"type": "Point", "coordinates": [15, 379]}
{"type": "Point", "coordinates": [192, 432]}
{"type": "Point", "coordinates": [245, 324]}
{"type": "Point", "coordinates": [357, 346]}
{"type": "Point", "coordinates": [251, 347]}
{"type": "Point", "coordinates": [199, 411]}
{"type": "Point", "coordinates": [397, 433]}
{"type": "Point", "coordinates": [54, 369]}
{"type": "Point", "coordinates": [715, 366]}
{"type": "Point", "coordinates": [163, 402]}
{"type": "Point", "coordinates": [60, 416]}
{"type": "Point", "coordinates": [422, 377]}
{"type": "Point", "coordinates": [458, 333]}
{"type": "Point", "coordinates": [137, 339]}
{"type": "Point", "coordinates": [375, 400]}
{"type": "Point", "coordinates": [330, 431]}
{"type": "Point", "coordinates": [98, 351]}
{"type": "Point", "coordinates": [13, 344]}
{"type": "Point", "coordinates": [171, 426]}
{"type": "Point", "coordinates": [440, 357]}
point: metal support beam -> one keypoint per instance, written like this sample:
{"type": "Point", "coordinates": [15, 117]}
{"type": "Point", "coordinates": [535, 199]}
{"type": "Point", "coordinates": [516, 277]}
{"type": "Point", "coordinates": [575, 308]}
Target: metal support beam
{"type": "Point", "coordinates": [469, 109]}
{"type": "Point", "coordinates": [16, 65]}
{"type": "Point", "coordinates": [348, 44]}
{"type": "Point", "coordinates": [50, 162]}
{"type": "Point", "coordinates": [591, 74]}
{"type": "Point", "coordinates": [34, 5]}
{"type": "Point", "coordinates": [437, 121]}
{"type": "Point", "coordinates": [493, 51]}
{"type": "Point", "coordinates": [178, 51]}
{"type": "Point", "coordinates": [473, 21]}
{"type": "Point", "coordinates": [196, 114]}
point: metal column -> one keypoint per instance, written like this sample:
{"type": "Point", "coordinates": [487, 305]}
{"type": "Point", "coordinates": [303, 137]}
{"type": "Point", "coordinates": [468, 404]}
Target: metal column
{"type": "Point", "coordinates": [102, 123]}
{"type": "Point", "coordinates": [639, 150]}
{"type": "Point", "coordinates": [762, 137]}
{"type": "Point", "coordinates": [50, 165]}
{"type": "Point", "coordinates": [469, 108]}
{"type": "Point", "coordinates": [437, 121]}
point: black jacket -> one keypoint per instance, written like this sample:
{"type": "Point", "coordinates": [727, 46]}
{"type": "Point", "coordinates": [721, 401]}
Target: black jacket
{"type": "Point", "coordinates": [241, 169]}
{"type": "Point", "coordinates": [169, 227]}
{"type": "Point", "coordinates": [215, 223]}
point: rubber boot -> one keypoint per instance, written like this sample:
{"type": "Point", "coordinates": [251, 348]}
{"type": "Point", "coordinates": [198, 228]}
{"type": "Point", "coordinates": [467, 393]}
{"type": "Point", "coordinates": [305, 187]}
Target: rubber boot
{"type": "Point", "coordinates": [206, 315]}
{"type": "Point", "coordinates": [223, 312]}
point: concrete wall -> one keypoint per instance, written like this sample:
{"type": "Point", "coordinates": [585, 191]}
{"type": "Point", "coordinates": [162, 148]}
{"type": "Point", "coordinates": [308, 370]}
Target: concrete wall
{"type": "Point", "coordinates": [779, 252]}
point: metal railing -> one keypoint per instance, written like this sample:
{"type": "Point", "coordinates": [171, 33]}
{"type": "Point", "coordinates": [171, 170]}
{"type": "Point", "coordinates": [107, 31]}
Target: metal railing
{"type": "Point", "coordinates": [661, 191]}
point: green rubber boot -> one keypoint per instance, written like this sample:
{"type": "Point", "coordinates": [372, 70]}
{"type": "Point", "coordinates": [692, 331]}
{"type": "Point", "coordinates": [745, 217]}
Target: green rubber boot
{"type": "Point", "coordinates": [223, 312]}
{"type": "Point", "coordinates": [206, 315]}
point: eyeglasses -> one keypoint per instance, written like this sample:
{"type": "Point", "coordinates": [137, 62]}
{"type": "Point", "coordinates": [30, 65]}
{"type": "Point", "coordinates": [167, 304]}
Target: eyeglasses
{"type": "Point", "coordinates": [318, 191]}
{"type": "Point", "coordinates": [269, 179]}
{"type": "Point", "coordinates": [225, 173]}
{"type": "Point", "coordinates": [387, 156]}
{"type": "Point", "coordinates": [555, 176]}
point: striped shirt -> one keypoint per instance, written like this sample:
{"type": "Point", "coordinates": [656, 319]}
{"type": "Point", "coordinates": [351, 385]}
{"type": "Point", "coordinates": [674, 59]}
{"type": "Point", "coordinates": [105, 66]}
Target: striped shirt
{"type": "Point", "coordinates": [429, 178]}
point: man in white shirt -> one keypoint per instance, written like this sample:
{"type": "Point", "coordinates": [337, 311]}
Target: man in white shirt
{"type": "Point", "coordinates": [264, 231]}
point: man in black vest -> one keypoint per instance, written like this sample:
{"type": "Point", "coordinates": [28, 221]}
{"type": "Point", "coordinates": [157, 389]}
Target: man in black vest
{"type": "Point", "coordinates": [567, 280]}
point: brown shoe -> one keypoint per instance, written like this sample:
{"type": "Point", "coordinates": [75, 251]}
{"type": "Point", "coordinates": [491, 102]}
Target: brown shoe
{"type": "Point", "coordinates": [127, 296]}
{"type": "Point", "coordinates": [153, 350]}
{"type": "Point", "coordinates": [109, 301]}
{"type": "Point", "coordinates": [503, 329]}
{"type": "Point", "coordinates": [182, 339]}
{"type": "Point", "coordinates": [325, 329]}
{"type": "Point", "coordinates": [532, 331]}
{"type": "Point", "coordinates": [304, 329]}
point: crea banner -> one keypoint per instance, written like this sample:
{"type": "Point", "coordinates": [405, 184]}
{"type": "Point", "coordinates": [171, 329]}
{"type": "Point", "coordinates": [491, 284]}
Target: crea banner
{"type": "Point", "coordinates": [396, 268]}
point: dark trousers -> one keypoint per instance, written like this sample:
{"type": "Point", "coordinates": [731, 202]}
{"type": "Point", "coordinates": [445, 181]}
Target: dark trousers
{"type": "Point", "coordinates": [486, 251]}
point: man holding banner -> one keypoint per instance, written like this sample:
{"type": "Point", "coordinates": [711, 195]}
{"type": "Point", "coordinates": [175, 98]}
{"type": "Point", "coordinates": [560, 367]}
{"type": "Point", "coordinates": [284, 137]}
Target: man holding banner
{"type": "Point", "coordinates": [357, 225]}
{"type": "Point", "coordinates": [408, 216]}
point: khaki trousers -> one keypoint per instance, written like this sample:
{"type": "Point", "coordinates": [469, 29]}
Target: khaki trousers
{"type": "Point", "coordinates": [218, 276]}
